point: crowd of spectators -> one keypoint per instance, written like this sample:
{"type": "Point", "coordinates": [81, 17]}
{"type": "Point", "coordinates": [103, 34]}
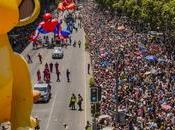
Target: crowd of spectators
{"type": "Point", "coordinates": [144, 69]}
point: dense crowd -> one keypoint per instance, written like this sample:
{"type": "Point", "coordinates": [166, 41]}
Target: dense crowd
{"type": "Point", "coordinates": [144, 68]}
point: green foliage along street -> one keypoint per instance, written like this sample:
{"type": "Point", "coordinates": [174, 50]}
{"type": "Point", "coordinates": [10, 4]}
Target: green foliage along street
{"type": "Point", "coordinates": [159, 13]}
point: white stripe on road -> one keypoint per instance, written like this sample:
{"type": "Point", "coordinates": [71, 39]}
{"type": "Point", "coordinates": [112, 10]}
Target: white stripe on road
{"type": "Point", "coordinates": [51, 112]}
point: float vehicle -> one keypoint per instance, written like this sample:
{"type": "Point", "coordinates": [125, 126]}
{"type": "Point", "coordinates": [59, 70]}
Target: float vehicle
{"type": "Point", "coordinates": [57, 53]}
{"type": "Point", "coordinates": [45, 92]}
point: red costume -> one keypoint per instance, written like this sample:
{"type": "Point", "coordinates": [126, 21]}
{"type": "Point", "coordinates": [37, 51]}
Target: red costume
{"type": "Point", "coordinates": [46, 75]}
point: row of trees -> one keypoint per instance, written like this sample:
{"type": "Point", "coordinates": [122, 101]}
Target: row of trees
{"type": "Point", "coordinates": [159, 13]}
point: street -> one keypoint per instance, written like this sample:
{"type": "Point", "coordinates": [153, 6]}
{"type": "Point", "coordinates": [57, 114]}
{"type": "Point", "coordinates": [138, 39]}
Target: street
{"type": "Point", "coordinates": [87, 64]}
{"type": "Point", "coordinates": [56, 113]}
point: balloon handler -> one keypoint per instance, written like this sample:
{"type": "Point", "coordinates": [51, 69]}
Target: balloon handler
{"type": "Point", "coordinates": [15, 83]}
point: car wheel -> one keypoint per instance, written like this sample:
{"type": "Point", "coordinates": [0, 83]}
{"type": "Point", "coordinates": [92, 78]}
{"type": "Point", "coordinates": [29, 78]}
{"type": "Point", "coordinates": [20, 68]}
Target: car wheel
{"type": "Point", "coordinates": [47, 100]}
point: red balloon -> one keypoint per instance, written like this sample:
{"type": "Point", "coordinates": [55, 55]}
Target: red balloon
{"type": "Point", "coordinates": [47, 16]}
{"type": "Point", "coordinates": [71, 6]}
{"type": "Point", "coordinates": [50, 25]}
{"type": "Point", "coordinates": [66, 6]}
{"type": "Point", "coordinates": [42, 23]}
{"type": "Point", "coordinates": [69, 1]}
{"type": "Point", "coordinates": [61, 7]}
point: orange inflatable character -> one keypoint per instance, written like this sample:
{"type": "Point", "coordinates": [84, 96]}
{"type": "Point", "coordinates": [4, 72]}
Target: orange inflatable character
{"type": "Point", "coordinates": [16, 97]}
{"type": "Point", "coordinates": [67, 5]}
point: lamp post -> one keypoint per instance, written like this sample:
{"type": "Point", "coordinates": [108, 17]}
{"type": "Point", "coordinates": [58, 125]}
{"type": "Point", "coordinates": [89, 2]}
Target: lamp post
{"type": "Point", "coordinates": [148, 27]}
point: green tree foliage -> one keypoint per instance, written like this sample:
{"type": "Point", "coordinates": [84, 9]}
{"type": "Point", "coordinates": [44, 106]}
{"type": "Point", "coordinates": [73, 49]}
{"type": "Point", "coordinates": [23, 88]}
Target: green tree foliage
{"type": "Point", "coordinates": [159, 13]}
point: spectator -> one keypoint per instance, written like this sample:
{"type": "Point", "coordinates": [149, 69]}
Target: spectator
{"type": "Point", "coordinates": [146, 88]}
{"type": "Point", "coordinates": [29, 59]}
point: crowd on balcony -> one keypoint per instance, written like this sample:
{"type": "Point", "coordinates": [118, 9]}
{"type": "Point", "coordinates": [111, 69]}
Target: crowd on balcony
{"type": "Point", "coordinates": [143, 68]}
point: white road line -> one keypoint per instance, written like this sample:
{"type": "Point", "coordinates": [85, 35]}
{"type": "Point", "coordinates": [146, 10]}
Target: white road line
{"type": "Point", "coordinates": [51, 112]}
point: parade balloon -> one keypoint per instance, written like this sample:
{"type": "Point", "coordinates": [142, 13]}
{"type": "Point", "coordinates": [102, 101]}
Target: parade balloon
{"type": "Point", "coordinates": [61, 37]}
{"type": "Point", "coordinates": [65, 33]}
{"type": "Point", "coordinates": [15, 82]}
{"type": "Point", "coordinates": [71, 6]}
{"type": "Point", "coordinates": [47, 16]}
{"type": "Point", "coordinates": [66, 5]}
{"type": "Point", "coordinates": [68, 1]}
{"type": "Point", "coordinates": [61, 7]}
{"type": "Point", "coordinates": [36, 95]}
{"type": "Point", "coordinates": [53, 25]}
{"type": "Point", "coordinates": [50, 25]}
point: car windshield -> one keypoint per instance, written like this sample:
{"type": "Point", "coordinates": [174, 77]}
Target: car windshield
{"type": "Point", "coordinates": [41, 89]}
{"type": "Point", "coordinates": [58, 50]}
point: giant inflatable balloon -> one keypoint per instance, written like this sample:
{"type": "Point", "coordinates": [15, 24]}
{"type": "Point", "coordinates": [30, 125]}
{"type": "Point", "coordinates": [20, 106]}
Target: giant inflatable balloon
{"type": "Point", "coordinates": [16, 97]}
{"type": "Point", "coordinates": [46, 26]}
{"type": "Point", "coordinates": [67, 5]}
{"type": "Point", "coordinates": [65, 32]}
{"type": "Point", "coordinates": [50, 25]}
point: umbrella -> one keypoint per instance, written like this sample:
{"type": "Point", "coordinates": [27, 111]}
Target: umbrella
{"type": "Point", "coordinates": [121, 28]}
{"type": "Point", "coordinates": [104, 117]}
{"type": "Point", "coordinates": [104, 63]}
{"type": "Point", "coordinates": [161, 61]}
{"type": "Point", "coordinates": [165, 107]}
{"type": "Point", "coordinates": [151, 58]}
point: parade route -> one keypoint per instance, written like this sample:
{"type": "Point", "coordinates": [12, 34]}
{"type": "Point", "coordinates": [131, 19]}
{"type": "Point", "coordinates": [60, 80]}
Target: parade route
{"type": "Point", "coordinates": [55, 113]}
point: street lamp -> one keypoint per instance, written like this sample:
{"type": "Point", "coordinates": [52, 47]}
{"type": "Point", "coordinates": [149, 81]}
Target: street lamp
{"type": "Point", "coordinates": [148, 27]}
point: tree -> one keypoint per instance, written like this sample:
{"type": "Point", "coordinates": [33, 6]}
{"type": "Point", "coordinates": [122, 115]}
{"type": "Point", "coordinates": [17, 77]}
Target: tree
{"type": "Point", "coordinates": [159, 13]}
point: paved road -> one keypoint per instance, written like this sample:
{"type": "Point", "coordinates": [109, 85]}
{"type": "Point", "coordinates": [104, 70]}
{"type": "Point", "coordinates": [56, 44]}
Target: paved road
{"type": "Point", "coordinates": [55, 113]}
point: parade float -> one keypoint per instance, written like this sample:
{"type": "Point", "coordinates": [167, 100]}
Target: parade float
{"type": "Point", "coordinates": [52, 25]}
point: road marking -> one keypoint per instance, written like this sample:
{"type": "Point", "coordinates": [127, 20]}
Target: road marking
{"type": "Point", "coordinates": [51, 112]}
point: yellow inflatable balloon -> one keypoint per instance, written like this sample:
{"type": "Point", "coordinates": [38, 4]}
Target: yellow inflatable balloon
{"type": "Point", "coordinates": [33, 122]}
{"type": "Point", "coordinates": [26, 128]}
{"type": "Point", "coordinates": [36, 95]}
{"type": "Point", "coordinates": [15, 83]}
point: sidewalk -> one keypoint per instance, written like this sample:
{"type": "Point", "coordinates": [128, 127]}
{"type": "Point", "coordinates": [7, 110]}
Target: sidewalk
{"type": "Point", "coordinates": [88, 76]}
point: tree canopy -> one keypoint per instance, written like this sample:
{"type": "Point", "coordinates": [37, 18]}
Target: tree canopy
{"type": "Point", "coordinates": [159, 13]}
